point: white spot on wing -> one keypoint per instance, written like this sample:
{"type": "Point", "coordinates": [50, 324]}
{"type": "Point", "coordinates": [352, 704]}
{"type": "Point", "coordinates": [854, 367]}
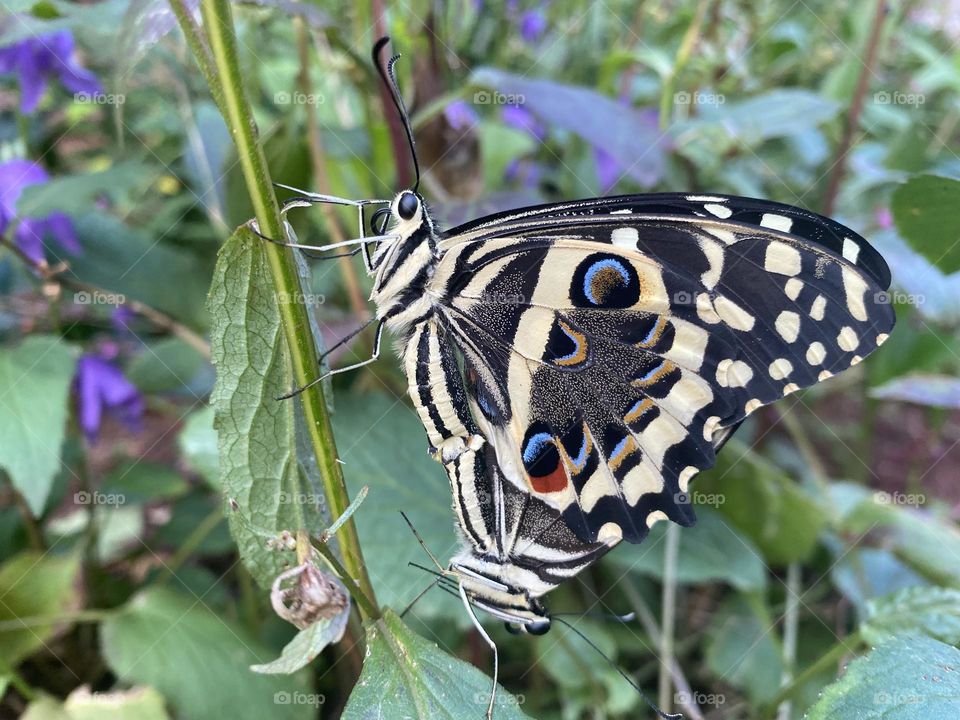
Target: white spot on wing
{"type": "Point", "coordinates": [851, 251]}
{"type": "Point", "coordinates": [792, 288]}
{"type": "Point", "coordinates": [625, 237]}
{"type": "Point", "coordinates": [733, 315]}
{"type": "Point", "coordinates": [782, 259]}
{"type": "Point", "coordinates": [780, 368]}
{"type": "Point", "coordinates": [733, 373]}
{"type": "Point", "coordinates": [776, 222]}
{"type": "Point", "coordinates": [627, 211]}
{"type": "Point", "coordinates": [788, 325]}
{"type": "Point", "coordinates": [705, 198]}
{"type": "Point", "coordinates": [847, 339]}
{"type": "Point", "coordinates": [714, 254]}
{"type": "Point", "coordinates": [721, 211]}
{"type": "Point", "coordinates": [816, 353]}
{"type": "Point", "coordinates": [818, 308]}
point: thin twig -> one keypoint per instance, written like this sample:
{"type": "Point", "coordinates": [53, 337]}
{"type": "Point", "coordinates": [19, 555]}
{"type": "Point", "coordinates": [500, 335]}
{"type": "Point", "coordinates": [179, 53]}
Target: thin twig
{"type": "Point", "coordinates": [856, 106]}
{"type": "Point", "coordinates": [54, 274]}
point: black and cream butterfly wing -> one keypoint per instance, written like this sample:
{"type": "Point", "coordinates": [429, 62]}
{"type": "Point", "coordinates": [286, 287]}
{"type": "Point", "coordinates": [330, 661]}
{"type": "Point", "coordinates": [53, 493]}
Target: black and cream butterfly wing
{"type": "Point", "coordinates": [610, 344]}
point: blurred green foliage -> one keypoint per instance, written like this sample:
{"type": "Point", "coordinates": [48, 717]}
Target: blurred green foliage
{"type": "Point", "coordinates": [828, 528]}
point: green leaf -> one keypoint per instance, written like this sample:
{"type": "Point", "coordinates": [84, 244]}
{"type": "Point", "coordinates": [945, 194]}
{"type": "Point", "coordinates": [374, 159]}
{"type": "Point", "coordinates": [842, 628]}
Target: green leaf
{"type": "Point", "coordinates": [74, 194]}
{"type": "Point", "coordinates": [142, 703]}
{"type": "Point", "coordinates": [862, 574]}
{"type": "Point", "coordinates": [742, 648]}
{"type": "Point", "coordinates": [926, 210]}
{"type": "Point", "coordinates": [578, 670]}
{"type": "Point", "coordinates": [124, 260]}
{"type": "Point", "coordinates": [170, 365]}
{"type": "Point", "coordinates": [931, 611]}
{"type": "Point", "coordinates": [198, 443]}
{"type": "Point", "coordinates": [382, 445]}
{"type": "Point", "coordinates": [35, 377]}
{"type": "Point", "coordinates": [307, 645]}
{"type": "Point", "coordinates": [33, 585]}
{"type": "Point", "coordinates": [141, 481]}
{"type": "Point", "coordinates": [763, 503]}
{"type": "Point", "coordinates": [932, 390]}
{"type": "Point", "coordinates": [406, 676]}
{"type": "Point", "coordinates": [710, 550]}
{"type": "Point", "coordinates": [926, 543]}
{"type": "Point", "coordinates": [197, 659]}
{"type": "Point", "coordinates": [908, 678]}
{"type": "Point", "coordinates": [775, 114]}
{"type": "Point", "coordinates": [258, 463]}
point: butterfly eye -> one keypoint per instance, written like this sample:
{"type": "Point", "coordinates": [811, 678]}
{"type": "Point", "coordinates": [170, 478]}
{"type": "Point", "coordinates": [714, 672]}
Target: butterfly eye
{"type": "Point", "coordinates": [408, 205]}
{"type": "Point", "coordinates": [541, 627]}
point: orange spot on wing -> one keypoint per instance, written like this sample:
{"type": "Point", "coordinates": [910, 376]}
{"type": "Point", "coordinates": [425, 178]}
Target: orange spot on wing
{"type": "Point", "coordinates": [554, 481]}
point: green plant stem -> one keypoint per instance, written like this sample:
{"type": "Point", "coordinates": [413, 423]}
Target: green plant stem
{"type": "Point", "coordinates": [687, 44]}
{"type": "Point", "coordinates": [22, 687]}
{"type": "Point", "coordinates": [218, 22]}
{"type": "Point", "coordinates": [791, 624]}
{"type": "Point", "coordinates": [829, 658]}
{"type": "Point", "coordinates": [668, 614]}
{"type": "Point", "coordinates": [201, 51]}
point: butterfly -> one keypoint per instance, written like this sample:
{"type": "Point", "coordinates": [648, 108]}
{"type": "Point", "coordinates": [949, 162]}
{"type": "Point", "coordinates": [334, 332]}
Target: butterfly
{"type": "Point", "coordinates": [576, 364]}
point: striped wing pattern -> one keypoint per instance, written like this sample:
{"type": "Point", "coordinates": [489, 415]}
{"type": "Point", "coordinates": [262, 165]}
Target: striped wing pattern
{"type": "Point", "coordinates": [608, 346]}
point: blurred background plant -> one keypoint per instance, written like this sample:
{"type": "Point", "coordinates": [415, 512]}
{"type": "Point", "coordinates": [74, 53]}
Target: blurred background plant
{"type": "Point", "coordinates": [829, 526]}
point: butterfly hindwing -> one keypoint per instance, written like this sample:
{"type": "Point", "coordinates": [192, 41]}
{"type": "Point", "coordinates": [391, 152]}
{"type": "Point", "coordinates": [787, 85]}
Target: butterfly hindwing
{"type": "Point", "coordinates": [607, 353]}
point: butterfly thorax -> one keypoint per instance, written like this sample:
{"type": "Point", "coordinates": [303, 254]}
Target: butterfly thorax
{"type": "Point", "coordinates": [403, 267]}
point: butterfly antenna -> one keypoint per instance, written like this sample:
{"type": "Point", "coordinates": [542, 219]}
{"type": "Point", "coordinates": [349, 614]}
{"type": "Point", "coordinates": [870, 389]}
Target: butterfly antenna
{"type": "Point", "coordinates": [660, 713]}
{"type": "Point", "coordinates": [423, 544]}
{"type": "Point", "coordinates": [390, 80]}
{"type": "Point", "coordinates": [611, 617]}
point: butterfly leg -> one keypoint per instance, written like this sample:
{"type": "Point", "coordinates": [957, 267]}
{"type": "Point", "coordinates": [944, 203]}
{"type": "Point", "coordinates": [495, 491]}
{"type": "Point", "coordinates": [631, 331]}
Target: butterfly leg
{"type": "Point", "coordinates": [493, 647]}
{"type": "Point", "coordinates": [373, 358]}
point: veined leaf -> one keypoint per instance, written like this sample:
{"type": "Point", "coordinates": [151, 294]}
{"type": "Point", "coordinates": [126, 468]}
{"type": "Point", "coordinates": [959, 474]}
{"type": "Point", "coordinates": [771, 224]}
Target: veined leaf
{"type": "Point", "coordinates": [259, 470]}
{"type": "Point", "coordinates": [197, 660]}
{"type": "Point", "coordinates": [932, 611]}
{"type": "Point", "coordinates": [908, 678]}
{"type": "Point", "coordinates": [406, 676]}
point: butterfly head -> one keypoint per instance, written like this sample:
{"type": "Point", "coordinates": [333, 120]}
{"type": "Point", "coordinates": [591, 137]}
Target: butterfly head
{"type": "Point", "coordinates": [490, 591]}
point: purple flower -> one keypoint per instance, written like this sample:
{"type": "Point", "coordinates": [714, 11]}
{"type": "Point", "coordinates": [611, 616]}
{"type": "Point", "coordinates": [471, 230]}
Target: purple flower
{"type": "Point", "coordinates": [121, 319]}
{"type": "Point", "coordinates": [528, 173]}
{"type": "Point", "coordinates": [515, 116]}
{"type": "Point", "coordinates": [460, 115]}
{"type": "Point", "coordinates": [15, 175]}
{"type": "Point", "coordinates": [533, 23]}
{"type": "Point", "coordinates": [608, 169]}
{"type": "Point", "coordinates": [37, 59]}
{"type": "Point", "coordinates": [883, 218]}
{"type": "Point", "coordinates": [102, 386]}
